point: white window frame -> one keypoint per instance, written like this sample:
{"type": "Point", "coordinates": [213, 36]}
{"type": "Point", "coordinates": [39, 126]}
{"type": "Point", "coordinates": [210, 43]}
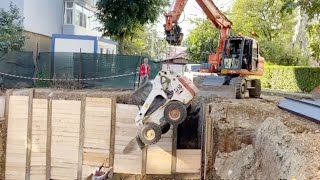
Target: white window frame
{"type": "Point", "coordinates": [65, 12]}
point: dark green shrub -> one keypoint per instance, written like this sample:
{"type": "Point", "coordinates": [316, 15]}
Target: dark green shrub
{"type": "Point", "coordinates": [291, 78]}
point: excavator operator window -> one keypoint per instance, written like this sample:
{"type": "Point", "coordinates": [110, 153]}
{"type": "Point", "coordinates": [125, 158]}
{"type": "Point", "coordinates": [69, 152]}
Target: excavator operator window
{"type": "Point", "coordinates": [233, 54]}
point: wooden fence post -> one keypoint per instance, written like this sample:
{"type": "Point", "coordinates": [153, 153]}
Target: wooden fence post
{"type": "Point", "coordinates": [112, 130]}
{"type": "Point", "coordinates": [174, 150]}
{"type": "Point", "coordinates": [29, 135]}
{"type": "Point", "coordinates": [49, 133]}
{"type": "Point", "coordinates": [81, 136]}
{"type": "Point", "coordinates": [6, 115]}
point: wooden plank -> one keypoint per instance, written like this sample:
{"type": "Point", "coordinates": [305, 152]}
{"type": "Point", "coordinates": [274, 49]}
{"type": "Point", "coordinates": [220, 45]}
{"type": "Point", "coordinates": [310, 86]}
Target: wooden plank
{"type": "Point", "coordinates": [126, 163]}
{"type": "Point", "coordinates": [159, 157]}
{"type": "Point", "coordinates": [81, 136]}
{"type": "Point", "coordinates": [16, 151]}
{"type": "Point", "coordinates": [174, 150]}
{"type": "Point", "coordinates": [209, 145]}
{"type": "Point", "coordinates": [97, 134]}
{"type": "Point", "coordinates": [39, 139]}
{"type": "Point", "coordinates": [49, 134]}
{"type": "Point", "coordinates": [188, 161]}
{"type": "Point", "coordinates": [203, 115]}
{"type": "Point", "coordinates": [113, 131]}
{"type": "Point", "coordinates": [29, 135]}
{"type": "Point", "coordinates": [67, 149]}
{"type": "Point", "coordinates": [144, 162]}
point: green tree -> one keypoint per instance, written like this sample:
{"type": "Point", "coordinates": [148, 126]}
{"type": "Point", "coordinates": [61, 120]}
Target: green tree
{"type": "Point", "coordinates": [274, 29]}
{"type": "Point", "coordinates": [202, 40]}
{"type": "Point", "coordinates": [310, 7]}
{"type": "Point", "coordinates": [145, 41]}
{"type": "Point", "coordinates": [11, 29]}
{"type": "Point", "coordinates": [120, 18]}
{"type": "Point", "coordinates": [314, 44]}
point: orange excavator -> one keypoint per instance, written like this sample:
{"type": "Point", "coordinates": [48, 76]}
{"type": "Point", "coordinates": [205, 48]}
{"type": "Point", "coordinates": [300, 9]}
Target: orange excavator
{"type": "Point", "coordinates": [236, 58]}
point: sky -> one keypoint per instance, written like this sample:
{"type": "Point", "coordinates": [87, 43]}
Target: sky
{"type": "Point", "coordinates": [193, 10]}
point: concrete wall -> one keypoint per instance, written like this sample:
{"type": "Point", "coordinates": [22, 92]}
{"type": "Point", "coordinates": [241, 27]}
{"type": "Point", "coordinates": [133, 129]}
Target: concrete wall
{"type": "Point", "coordinates": [70, 29]}
{"type": "Point", "coordinates": [37, 42]}
{"type": "Point", "coordinates": [74, 45]}
{"type": "Point", "coordinates": [44, 17]}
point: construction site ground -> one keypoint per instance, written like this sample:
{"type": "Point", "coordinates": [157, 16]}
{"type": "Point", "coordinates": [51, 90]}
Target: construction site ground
{"type": "Point", "coordinates": [253, 138]}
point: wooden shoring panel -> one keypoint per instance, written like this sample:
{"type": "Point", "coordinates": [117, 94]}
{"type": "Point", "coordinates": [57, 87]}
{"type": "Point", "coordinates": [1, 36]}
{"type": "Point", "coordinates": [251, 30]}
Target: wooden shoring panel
{"type": "Point", "coordinates": [188, 161]}
{"type": "Point", "coordinates": [39, 139]}
{"type": "Point", "coordinates": [159, 156]}
{"type": "Point", "coordinates": [65, 139]}
{"type": "Point", "coordinates": [16, 152]}
{"type": "Point", "coordinates": [125, 131]}
{"type": "Point", "coordinates": [96, 149]}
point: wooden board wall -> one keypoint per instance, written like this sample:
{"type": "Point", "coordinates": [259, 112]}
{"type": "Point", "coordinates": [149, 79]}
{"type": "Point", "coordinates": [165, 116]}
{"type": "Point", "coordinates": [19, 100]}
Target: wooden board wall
{"type": "Point", "coordinates": [159, 156]}
{"type": "Point", "coordinates": [39, 139]}
{"type": "Point", "coordinates": [16, 153]}
{"type": "Point", "coordinates": [188, 161]}
{"type": "Point", "coordinates": [65, 139]}
{"type": "Point", "coordinates": [96, 147]}
{"type": "Point", "coordinates": [124, 132]}
{"type": "Point", "coordinates": [58, 152]}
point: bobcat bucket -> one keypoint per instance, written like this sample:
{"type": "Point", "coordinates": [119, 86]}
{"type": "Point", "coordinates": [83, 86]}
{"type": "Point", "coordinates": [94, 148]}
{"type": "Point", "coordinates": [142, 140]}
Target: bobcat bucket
{"type": "Point", "coordinates": [215, 86]}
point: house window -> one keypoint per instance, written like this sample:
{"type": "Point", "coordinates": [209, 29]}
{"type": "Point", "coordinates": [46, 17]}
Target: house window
{"type": "Point", "coordinates": [68, 14]}
{"type": "Point", "coordinates": [80, 16]}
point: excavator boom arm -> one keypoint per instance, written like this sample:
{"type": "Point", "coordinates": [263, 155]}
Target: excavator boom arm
{"type": "Point", "coordinates": [173, 16]}
{"type": "Point", "coordinates": [214, 14]}
{"type": "Point", "coordinates": [221, 22]}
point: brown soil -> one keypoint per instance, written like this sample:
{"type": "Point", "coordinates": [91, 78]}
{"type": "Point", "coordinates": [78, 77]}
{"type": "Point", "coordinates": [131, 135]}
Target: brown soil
{"type": "Point", "coordinates": [257, 140]}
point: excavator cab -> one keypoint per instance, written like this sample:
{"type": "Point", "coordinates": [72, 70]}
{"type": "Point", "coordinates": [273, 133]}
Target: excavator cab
{"type": "Point", "coordinates": [240, 53]}
{"type": "Point", "coordinates": [240, 59]}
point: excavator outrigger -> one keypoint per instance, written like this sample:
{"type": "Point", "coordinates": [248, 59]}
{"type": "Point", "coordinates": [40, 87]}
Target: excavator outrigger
{"type": "Point", "coordinates": [236, 57]}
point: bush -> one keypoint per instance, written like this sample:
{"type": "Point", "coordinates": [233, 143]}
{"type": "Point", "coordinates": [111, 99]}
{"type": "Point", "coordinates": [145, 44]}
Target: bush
{"type": "Point", "coordinates": [283, 54]}
{"type": "Point", "coordinates": [291, 78]}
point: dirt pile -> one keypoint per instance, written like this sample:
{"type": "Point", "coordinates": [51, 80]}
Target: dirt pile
{"type": "Point", "coordinates": [256, 140]}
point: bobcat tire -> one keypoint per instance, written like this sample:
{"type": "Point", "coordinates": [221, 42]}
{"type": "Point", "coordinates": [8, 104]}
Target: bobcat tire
{"type": "Point", "coordinates": [256, 92]}
{"type": "Point", "coordinates": [150, 133]}
{"type": "Point", "coordinates": [241, 86]}
{"type": "Point", "coordinates": [175, 113]}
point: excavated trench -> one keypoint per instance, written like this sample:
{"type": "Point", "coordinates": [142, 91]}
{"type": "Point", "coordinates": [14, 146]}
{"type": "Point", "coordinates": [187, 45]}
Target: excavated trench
{"type": "Point", "coordinates": [252, 139]}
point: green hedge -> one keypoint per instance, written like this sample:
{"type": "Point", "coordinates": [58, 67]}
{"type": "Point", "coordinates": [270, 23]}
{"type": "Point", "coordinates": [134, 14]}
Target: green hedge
{"type": "Point", "coordinates": [291, 78]}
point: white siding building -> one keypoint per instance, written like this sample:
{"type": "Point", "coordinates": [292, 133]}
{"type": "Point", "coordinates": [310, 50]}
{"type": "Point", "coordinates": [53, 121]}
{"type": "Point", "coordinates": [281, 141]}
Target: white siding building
{"type": "Point", "coordinates": [44, 18]}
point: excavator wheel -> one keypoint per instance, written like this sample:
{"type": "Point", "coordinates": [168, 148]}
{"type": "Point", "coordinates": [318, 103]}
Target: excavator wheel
{"type": "Point", "coordinates": [175, 113]}
{"type": "Point", "coordinates": [256, 92]}
{"type": "Point", "coordinates": [150, 133]}
{"type": "Point", "coordinates": [241, 86]}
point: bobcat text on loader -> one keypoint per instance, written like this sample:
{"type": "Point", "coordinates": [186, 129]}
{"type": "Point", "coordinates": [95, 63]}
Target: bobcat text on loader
{"type": "Point", "coordinates": [236, 58]}
{"type": "Point", "coordinates": [166, 102]}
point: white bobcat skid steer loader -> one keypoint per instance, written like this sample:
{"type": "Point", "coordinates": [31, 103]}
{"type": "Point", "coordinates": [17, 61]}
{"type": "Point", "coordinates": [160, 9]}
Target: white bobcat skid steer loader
{"type": "Point", "coordinates": [165, 105]}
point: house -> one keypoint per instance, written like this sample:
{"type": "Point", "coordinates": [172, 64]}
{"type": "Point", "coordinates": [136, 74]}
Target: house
{"type": "Point", "coordinates": [45, 18]}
